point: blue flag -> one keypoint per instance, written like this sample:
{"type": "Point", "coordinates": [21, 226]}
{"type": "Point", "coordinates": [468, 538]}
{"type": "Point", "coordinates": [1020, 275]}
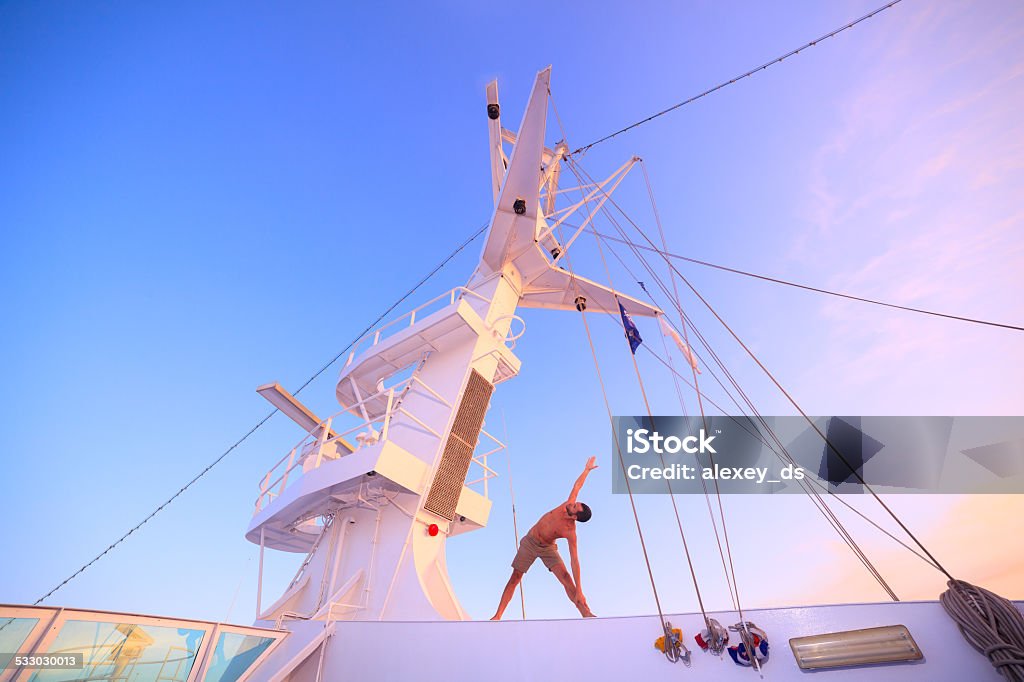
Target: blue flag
{"type": "Point", "coordinates": [632, 333]}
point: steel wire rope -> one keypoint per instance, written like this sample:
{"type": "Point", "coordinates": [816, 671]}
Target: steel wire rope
{"type": "Point", "coordinates": [731, 573]}
{"type": "Point", "coordinates": [512, 495]}
{"type": "Point", "coordinates": [751, 72]}
{"type": "Point", "coordinates": [661, 458]}
{"type": "Point", "coordinates": [700, 403]}
{"type": "Point", "coordinates": [816, 499]}
{"type": "Point", "coordinates": [733, 593]}
{"type": "Point", "coordinates": [622, 464]}
{"type": "Point", "coordinates": [607, 405]}
{"type": "Point", "coordinates": [757, 435]}
{"type": "Point", "coordinates": [776, 280]}
{"type": "Point", "coordinates": [813, 495]}
{"type": "Point", "coordinates": [714, 524]}
{"type": "Point", "coordinates": [789, 398]}
{"type": "Point", "coordinates": [675, 288]}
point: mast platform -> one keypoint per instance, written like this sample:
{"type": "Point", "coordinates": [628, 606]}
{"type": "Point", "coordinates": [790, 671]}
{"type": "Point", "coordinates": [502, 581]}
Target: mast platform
{"type": "Point", "coordinates": [389, 349]}
{"type": "Point", "coordinates": [286, 518]}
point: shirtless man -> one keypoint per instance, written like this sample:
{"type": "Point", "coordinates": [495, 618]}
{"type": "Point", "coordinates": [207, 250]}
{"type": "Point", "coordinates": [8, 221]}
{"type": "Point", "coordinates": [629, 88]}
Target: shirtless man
{"type": "Point", "coordinates": [539, 542]}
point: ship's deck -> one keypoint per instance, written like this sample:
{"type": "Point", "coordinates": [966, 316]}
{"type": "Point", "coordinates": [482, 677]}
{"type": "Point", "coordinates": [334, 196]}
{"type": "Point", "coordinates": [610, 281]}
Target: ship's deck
{"type": "Point", "coordinates": [623, 648]}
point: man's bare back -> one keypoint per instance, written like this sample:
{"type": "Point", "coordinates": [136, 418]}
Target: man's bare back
{"type": "Point", "coordinates": [539, 543]}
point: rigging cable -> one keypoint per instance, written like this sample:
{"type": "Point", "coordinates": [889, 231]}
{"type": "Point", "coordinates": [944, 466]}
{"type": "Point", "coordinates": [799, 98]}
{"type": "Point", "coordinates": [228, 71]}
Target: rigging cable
{"type": "Point", "coordinates": [730, 570]}
{"type": "Point", "coordinates": [700, 406]}
{"type": "Point", "coordinates": [815, 498]}
{"type": "Point", "coordinates": [632, 503]}
{"type": "Point", "coordinates": [661, 458]}
{"type": "Point", "coordinates": [667, 254]}
{"type": "Point", "coordinates": [675, 288]}
{"type": "Point", "coordinates": [512, 495]}
{"type": "Point", "coordinates": [751, 72]}
{"type": "Point", "coordinates": [789, 397]}
{"type": "Point", "coordinates": [665, 626]}
{"type": "Point", "coordinates": [729, 581]}
{"type": "Point", "coordinates": [756, 434]}
{"type": "Point", "coordinates": [785, 457]}
{"type": "Point", "coordinates": [264, 420]}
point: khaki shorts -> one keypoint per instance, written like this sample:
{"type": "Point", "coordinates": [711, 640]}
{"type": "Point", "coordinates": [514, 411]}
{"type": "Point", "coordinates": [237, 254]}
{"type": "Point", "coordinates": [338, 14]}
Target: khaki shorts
{"type": "Point", "coordinates": [530, 550]}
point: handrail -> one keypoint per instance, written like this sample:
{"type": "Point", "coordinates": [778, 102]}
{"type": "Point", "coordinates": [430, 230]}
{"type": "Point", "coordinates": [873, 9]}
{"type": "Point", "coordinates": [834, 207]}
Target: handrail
{"type": "Point", "coordinates": [376, 334]}
{"type": "Point", "coordinates": [308, 453]}
{"type": "Point", "coordinates": [314, 442]}
{"type": "Point", "coordinates": [510, 337]}
{"type": "Point", "coordinates": [312, 432]}
{"type": "Point", "coordinates": [481, 460]}
{"type": "Point", "coordinates": [267, 488]}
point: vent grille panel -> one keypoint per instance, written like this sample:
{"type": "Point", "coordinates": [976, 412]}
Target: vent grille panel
{"type": "Point", "coordinates": [458, 451]}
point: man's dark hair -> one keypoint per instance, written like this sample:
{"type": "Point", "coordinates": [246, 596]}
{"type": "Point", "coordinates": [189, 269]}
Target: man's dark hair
{"type": "Point", "coordinates": [583, 515]}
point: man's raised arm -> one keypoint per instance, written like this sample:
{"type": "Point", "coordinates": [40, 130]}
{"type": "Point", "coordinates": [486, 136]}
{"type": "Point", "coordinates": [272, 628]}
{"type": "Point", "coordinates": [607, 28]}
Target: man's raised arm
{"type": "Point", "coordinates": [591, 465]}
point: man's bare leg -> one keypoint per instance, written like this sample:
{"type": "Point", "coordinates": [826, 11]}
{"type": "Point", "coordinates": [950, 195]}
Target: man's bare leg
{"type": "Point", "coordinates": [570, 591]}
{"type": "Point", "coordinates": [506, 596]}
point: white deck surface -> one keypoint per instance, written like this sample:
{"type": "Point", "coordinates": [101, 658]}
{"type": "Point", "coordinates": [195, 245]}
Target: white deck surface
{"type": "Point", "coordinates": [622, 648]}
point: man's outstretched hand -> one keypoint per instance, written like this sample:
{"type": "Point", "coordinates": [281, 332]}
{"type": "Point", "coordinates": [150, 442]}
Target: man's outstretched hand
{"type": "Point", "coordinates": [591, 464]}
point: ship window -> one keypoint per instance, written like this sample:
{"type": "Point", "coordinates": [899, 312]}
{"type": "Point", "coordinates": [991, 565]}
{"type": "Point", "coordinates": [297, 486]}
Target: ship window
{"type": "Point", "coordinates": [126, 652]}
{"type": "Point", "coordinates": [234, 654]}
{"type": "Point", "coordinates": [13, 632]}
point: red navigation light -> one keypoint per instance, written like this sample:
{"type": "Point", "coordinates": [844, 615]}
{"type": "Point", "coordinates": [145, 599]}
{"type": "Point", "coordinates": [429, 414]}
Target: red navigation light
{"type": "Point", "coordinates": [432, 530]}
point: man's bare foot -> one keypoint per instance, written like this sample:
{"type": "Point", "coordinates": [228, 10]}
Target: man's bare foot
{"type": "Point", "coordinates": [589, 614]}
{"type": "Point", "coordinates": [496, 618]}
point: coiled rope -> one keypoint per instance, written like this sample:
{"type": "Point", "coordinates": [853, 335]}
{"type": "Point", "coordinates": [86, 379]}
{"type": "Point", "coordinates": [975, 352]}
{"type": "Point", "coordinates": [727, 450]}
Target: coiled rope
{"type": "Point", "coordinates": [990, 623]}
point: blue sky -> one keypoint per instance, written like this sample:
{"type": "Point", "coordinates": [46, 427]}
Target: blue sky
{"type": "Point", "coordinates": [196, 199]}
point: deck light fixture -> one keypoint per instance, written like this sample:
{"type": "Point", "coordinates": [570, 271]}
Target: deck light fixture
{"type": "Point", "coordinates": [889, 644]}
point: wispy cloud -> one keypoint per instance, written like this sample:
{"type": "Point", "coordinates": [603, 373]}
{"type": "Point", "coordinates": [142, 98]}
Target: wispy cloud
{"type": "Point", "coordinates": [917, 196]}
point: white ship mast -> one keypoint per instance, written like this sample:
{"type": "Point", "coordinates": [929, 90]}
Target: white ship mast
{"type": "Point", "coordinates": [394, 487]}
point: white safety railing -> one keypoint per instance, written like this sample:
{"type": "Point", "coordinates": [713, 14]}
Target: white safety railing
{"type": "Point", "coordinates": [375, 336]}
{"type": "Point", "coordinates": [325, 443]}
{"type": "Point", "coordinates": [512, 336]}
{"type": "Point", "coordinates": [490, 446]}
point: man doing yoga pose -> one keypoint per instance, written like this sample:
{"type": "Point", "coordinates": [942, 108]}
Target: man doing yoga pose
{"type": "Point", "coordinates": [539, 542]}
